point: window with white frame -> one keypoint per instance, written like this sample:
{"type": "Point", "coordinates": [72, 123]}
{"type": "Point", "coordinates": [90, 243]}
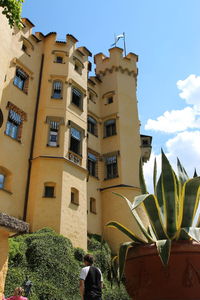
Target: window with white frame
{"type": "Point", "coordinates": [57, 89]}
{"type": "Point", "coordinates": [14, 125]}
{"type": "Point", "coordinates": [53, 134]}
{"type": "Point", "coordinates": [77, 97]}
{"type": "Point", "coordinates": [21, 80]}
{"type": "Point", "coordinates": [111, 167]}
{"type": "Point", "coordinates": [75, 141]}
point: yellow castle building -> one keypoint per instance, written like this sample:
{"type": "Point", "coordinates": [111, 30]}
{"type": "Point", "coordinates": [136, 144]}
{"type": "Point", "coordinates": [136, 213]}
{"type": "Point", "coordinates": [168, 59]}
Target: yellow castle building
{"type": "Point", "coordinates": [67, 140]}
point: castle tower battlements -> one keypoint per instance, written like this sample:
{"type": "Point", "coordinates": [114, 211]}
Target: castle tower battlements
{"type": "Point", "coordinates": [116, 62]}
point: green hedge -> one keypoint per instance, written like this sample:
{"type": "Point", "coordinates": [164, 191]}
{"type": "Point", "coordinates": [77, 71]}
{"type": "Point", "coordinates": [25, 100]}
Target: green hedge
{"type": "Point", "coordinates": [53, 265]}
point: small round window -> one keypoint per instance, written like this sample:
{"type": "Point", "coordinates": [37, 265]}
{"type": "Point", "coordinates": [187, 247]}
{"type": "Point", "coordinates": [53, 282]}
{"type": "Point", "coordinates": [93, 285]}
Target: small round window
{"type": "Point", "coordinates": [1, 118]}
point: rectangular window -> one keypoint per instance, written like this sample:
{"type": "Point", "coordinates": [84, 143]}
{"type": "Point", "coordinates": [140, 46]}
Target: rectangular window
{"type": "Point", "coordinates": [111, 167]}
{"type": "Point", "coordinates": [21, 80]}
{"type": "Point", "coordinates": [109, 100]}
{"type": "Point", "coordinates": [92, 164]}
{"type": "Point", "coordinates": [109, 128]}
{"type": "Point", "coordinates": [13, 125]}
{"type": "Point", "coordinates": [59, 59]}
{"type": "Point", "coordinates": [92, 125]}
{"type": "Point", "coordinates": [77, 97]}
{"type": "Point", "coordinates": [75, 141]}
{"type": "Point", "coordinates": [53, 134]}
{"type": "Point", "coordinates": [57, 90]}
{"type": "Point", "coordinates": [49, 191]}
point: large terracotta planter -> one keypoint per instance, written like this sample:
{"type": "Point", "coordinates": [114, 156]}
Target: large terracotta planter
{"type": "Point", "coordinates": [147, 279]}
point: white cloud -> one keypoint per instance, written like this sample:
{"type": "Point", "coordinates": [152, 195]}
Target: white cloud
{"type": "Point", "coordinates": [185, 123]}
{"type": "Point", "coordinates": [174, 121]}
{"type": "Point", "coordinates": [185, 146]}
{"type": "Point", "coordinates": [190, 90]}
{"type": "Point", "coordinates": [180, 120]}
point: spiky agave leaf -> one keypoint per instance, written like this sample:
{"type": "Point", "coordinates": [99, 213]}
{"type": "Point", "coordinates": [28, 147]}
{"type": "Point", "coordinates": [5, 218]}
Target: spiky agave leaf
{"type": "Point", "coordinates": [195, 173]}
{"type": "Point", "coordinates": [126, 231]}
{"type": "Point", "coordinates": [159, 195]}
{"type": "Point", "coordinates": [123, 250]}
{"type": "Point", "coordinates": [152, 209]}
{"type": "Point", "coordinates": [170, 195]}
{"type": "Point", "coordinates": [191, 197]}
{"type": "Point", "coordinates": [164, 248]}
{"type": "Point", "coordinates": [154, 175]}
{"type": "Point", "coordinates": [142, 180]}
{"type": "Point", "coordinates": [188, 233]}
{"type": "Point", "coordinates": [137, 218]}
{"type": "Point", "coordinates": [182, 174]}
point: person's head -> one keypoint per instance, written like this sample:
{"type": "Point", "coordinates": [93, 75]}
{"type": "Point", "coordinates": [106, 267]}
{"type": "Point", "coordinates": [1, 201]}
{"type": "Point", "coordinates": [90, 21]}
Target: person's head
{"type": "Point", "coordinates": [18, 291]}
{"type": "Point", "coordinates": [88, 259]}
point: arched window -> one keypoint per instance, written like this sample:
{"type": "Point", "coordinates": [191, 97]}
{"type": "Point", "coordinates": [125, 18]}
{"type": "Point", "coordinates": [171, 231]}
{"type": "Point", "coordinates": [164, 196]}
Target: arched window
{"type": "Point", "coordinates": [5, 179]}
{"type": "Point", "coordinates": [49, 189]}
{"type": "Point", "coordinates": [57, 89]}
{"type": "Point", "coordinates": [74, 196]}
{"type": "Point", "coordinates": [109, 128]}
{"type": "Point", "coordinates": [2, 180]}
{"type": "Point", "coordinates": [92, 125]}
{"type": "Point", "coordinates": [93, 205]}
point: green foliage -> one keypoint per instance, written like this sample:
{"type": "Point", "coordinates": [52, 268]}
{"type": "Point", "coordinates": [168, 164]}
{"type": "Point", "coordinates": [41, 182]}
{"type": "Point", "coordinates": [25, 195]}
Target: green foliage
{"type": "Point", "coordinates": [53, 265]}
{"type": "Point", "coordinates": [79, 254]}
{"type": "Point", "coordinates": [171, 211]}
{"type": "Point", "coordinates": [12, 10]}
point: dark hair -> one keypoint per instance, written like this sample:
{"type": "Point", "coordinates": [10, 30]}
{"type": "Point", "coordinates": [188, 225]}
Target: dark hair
{"type": "Point", "coordinates": [89, 258]}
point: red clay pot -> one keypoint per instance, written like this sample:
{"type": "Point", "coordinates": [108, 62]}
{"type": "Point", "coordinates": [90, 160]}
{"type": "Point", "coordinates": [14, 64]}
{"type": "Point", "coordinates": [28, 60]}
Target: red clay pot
{"type": "Point", "coordinates": [148, 279]}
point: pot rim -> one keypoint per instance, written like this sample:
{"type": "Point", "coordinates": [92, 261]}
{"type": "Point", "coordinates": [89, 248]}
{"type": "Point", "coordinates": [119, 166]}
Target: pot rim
{"type": "Point", "coordinates": [176, 247]}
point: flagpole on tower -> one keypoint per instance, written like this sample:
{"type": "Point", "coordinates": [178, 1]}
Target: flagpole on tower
{"type": "Point", "coordinates": [124, 44]}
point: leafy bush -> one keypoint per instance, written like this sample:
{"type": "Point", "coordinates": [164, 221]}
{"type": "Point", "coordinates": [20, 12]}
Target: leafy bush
{"type": "Point", "coordinates": [53, 265]}
{"type": "Point", "coordinates": [79, 254]}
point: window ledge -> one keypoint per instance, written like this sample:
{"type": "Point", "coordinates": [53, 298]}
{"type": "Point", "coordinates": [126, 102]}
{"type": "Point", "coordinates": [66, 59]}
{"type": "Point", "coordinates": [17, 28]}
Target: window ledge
{"type": "Point", "coordinates": [105, 137]}
{"type": "Point", "coordinates": [93, 212]}
{"type": "Point", "coordinates": [117, 176]}
{"type": "Point", "coordinates": [60, 63]}
{"type": "Point", "coordinates": [60, 98]}
{"type": "Point", "coordinates": [80, 108]}
{"type": "Point", "coordinates": [77, 204]}
{"type": "Point", "coordinates": [95, 177]}
{"type": "Point", "coordinates": [6, 191]}
{"type": "Point", "coordinates": [53, 146]}
{"type": "Point", "coordinates": [96, 135]}
{"type": "Point", "coordinates": [16, 140]}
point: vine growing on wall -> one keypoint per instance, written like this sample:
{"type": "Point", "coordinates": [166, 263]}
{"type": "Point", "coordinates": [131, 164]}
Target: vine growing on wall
{"type": "Point", "coordinates": [12, 10]}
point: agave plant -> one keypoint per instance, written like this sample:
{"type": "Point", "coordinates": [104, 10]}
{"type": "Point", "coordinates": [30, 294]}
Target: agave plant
{"type": "Point", "coordinates": [172, 211]}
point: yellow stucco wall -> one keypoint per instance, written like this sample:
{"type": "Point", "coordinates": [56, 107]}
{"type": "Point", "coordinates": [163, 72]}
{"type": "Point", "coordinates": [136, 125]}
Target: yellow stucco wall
{"type": "Point", "coordinates": [116, 75]}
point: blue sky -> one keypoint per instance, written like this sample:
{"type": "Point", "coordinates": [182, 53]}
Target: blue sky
{"type": "Point", "coordinates": [165, 35]}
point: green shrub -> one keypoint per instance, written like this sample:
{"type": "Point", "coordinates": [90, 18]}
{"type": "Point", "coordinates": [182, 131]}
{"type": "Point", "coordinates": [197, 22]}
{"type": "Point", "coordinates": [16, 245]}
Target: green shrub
{"type": "Point", "coordinates": [79, 254]}
{"type": "Point", "coordinates": [53, 266]}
